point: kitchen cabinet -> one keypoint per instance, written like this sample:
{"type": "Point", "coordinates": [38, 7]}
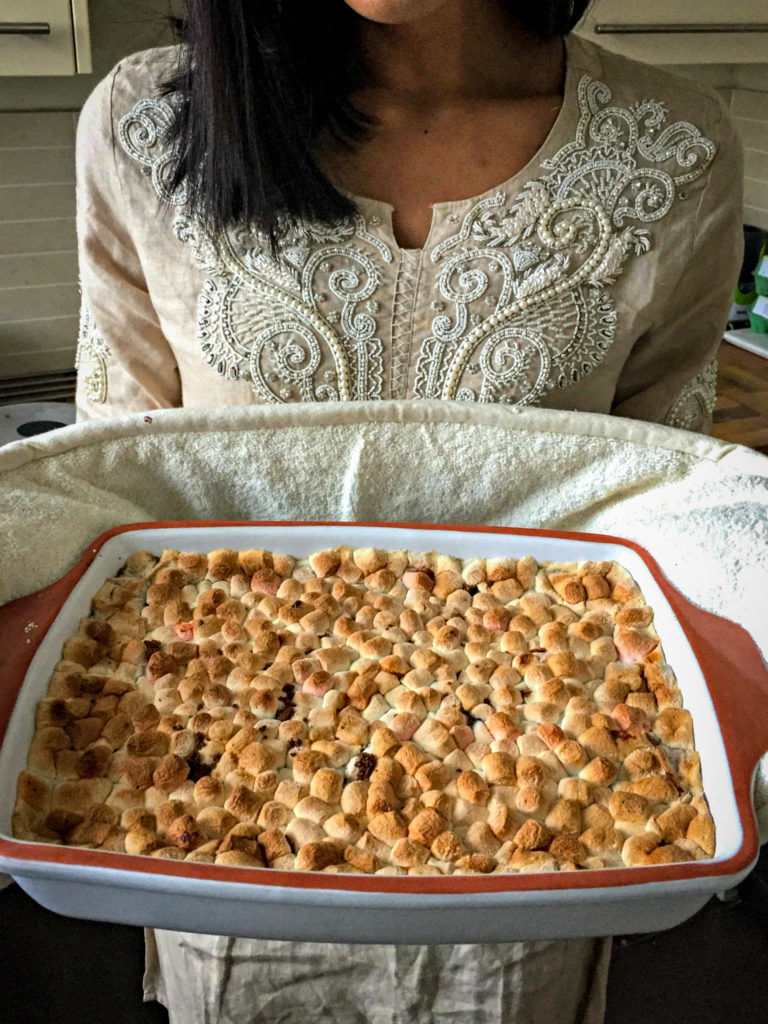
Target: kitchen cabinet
{"type": "Point", "coordinates": [681, 32]}
{"type": "Point", "coordinates": [44, 37]}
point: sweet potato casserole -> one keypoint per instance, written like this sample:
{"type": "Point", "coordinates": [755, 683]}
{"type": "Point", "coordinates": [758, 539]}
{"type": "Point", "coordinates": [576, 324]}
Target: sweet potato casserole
{"type": "Point", "coordinates": [367, 711]}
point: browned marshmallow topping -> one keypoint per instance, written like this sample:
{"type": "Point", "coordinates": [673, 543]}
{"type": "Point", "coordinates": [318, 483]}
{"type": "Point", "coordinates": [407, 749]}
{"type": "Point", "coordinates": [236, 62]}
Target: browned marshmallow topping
{"type": "Point", "coordinates": [368, 712]}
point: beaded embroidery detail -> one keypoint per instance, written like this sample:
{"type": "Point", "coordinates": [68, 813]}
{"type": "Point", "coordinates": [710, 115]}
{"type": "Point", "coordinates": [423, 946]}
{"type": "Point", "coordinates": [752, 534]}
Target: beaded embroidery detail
{"type": "Point", "coordinates": [298, 326]}
{"type": "Point", "coordinates": [279, 323]}
{"type": "Point", "coordinates": [91, 357]}
{"type": "Point", "coordinates": [403, 311]}
{"type": "Point", "coordinates": [522, 304]}
{"type": "Point", "coordinates": [546, 259]}
{"type": "Point", "coordinates": [695, 404]}
{"type": "Point", "coordinates": [145, 134]}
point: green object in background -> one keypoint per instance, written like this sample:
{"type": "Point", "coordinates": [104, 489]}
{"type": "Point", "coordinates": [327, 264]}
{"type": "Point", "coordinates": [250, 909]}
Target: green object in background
{"type": "Point", "coordinates": [761, 274]}
{"type": "Point", "coordinates": [743, 298]}
{"type": "Point", "coordinates": [744, 293]}
{"type": "Point", "coordinates": [758, 308]}
{"type": "Point", "coordinates": [741, 303]}
{"type": "Point", "coordinates": [758, 315]}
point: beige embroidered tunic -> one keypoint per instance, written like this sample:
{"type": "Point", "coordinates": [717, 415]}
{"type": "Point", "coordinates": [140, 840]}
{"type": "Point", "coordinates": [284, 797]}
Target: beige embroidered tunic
{"type": "Point", "coordinates": [598, 278]}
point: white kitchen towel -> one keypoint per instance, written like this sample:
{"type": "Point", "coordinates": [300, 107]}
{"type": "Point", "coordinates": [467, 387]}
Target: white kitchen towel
{"type": "Point", "coordinates": [210, 979]}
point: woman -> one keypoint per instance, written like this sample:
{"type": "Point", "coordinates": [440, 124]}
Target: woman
{"type": "Point", "coordinates": [590, 269]}
{"type": "Point", "coordinates": [285, 217]}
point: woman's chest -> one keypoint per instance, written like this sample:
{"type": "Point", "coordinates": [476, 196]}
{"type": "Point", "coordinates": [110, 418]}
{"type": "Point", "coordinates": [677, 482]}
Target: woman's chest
{"type": "Point", "coordinates": [489, 313]}
{"type": "Point", "coordinates": [522, 295]}
{"type": "Point", "coordinates": [442, 156]}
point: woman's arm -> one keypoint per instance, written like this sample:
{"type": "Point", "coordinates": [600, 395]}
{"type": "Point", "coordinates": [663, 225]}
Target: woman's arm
{"type": "Point", "coordinates": [124, 361]}
{"type": "Point", "coordinates": [670, 374]}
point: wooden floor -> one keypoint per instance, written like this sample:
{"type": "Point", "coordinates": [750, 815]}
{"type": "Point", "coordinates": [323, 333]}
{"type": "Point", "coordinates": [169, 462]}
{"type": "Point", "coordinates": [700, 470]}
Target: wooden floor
{"type": "Point", "coordinates": [741, 413]}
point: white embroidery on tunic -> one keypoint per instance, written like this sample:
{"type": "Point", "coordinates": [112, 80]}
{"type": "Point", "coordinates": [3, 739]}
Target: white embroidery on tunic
{"type": "Point", "coordinates": [279, 322]}
{"type": "Point", "coordinates": [403, 310]}
{"type": "Point", "coordinates": [693, 407]}
{"type": "Point", "coordinates": [91, 357]}
{"type": "Point", "coordinates": [522, 291]}
{"type": "Point", "coordinates": [544, 261]}
{"type": "Point", "coordinates": [146, 135]}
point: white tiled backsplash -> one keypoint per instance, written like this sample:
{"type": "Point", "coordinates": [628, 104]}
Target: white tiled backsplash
{"type": "Point", "coordinates": [750, 112]}
{"type": "Point", "coordinates": [39, 297]}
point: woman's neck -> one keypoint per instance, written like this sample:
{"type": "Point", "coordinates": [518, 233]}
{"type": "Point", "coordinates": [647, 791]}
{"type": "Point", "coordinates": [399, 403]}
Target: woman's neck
{"type": "Point", "coordinates": [463, 53]}
{"type": "Point", "coordinates": [461, 101]}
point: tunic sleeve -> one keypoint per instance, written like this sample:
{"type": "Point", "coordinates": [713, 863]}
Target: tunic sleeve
{"type": "Point", "coordinates": [124, 361]}
{"type": "Point", "coordinates": [671, 373]}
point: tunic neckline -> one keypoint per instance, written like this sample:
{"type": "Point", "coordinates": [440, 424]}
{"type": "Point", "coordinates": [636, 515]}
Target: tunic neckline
{"type": "Point", "coordinates": [442, 210]}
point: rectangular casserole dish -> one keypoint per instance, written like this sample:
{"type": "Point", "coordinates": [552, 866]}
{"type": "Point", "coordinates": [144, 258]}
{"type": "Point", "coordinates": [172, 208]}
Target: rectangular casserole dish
{"type": "Point", "coordinates": [720, 672]}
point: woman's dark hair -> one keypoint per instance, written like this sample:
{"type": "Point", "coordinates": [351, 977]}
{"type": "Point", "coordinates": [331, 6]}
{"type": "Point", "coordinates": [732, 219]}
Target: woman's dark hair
{"type": "Point", "coordinates": [260, 79]}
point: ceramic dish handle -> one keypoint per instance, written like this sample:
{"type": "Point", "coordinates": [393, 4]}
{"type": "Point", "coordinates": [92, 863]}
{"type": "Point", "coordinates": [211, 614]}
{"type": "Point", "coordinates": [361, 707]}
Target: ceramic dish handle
{"type": "Point", "coordinates": [737, 679]}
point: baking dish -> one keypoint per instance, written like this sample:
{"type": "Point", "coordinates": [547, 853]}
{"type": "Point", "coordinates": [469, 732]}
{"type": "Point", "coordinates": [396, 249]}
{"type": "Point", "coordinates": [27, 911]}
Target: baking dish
{"type": "Point", "coordinates": [722, 676]}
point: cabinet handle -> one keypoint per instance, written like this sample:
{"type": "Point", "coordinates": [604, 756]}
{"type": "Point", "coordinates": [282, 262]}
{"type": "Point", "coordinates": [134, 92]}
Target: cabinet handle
{"type": "Point", "coordinates": [609, 28]}
{"type": "Point", "coordinates": [24, 28]}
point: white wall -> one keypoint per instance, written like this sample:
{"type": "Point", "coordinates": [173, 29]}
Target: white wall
{"type": "Point", "coordinates": [745, 90]}
{"type": "Point", "coordinates": [39, 299]}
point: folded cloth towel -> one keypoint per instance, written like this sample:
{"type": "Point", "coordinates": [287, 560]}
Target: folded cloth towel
{"type": "Point", "coordinates": [206, 978]}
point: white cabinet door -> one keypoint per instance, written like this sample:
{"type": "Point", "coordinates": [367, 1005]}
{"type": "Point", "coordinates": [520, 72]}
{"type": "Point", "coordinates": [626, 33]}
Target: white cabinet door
{"type": "Point", "coordinates": [44, 37]}
{"type": "Point", "coordinates": [680, 31]}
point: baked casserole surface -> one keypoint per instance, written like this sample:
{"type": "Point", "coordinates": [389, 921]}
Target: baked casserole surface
{"type": "Point", "coordinates": [367, 711]}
